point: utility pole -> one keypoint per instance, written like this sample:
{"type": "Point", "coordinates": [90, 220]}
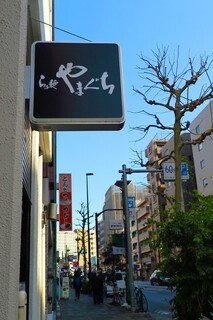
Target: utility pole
{"type": "Point", "coordinates": [126, 171]}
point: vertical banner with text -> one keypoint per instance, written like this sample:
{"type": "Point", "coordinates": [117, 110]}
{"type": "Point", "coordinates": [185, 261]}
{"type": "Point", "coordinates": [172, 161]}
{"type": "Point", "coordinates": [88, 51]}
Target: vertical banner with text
{"type": "Point", "coordinates": [65, 198]}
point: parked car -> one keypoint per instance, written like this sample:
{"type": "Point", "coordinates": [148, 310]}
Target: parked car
{"type": "Point", "coordinates": [119, 282]}
{"type": "Point", "coordinates": [157, 279]}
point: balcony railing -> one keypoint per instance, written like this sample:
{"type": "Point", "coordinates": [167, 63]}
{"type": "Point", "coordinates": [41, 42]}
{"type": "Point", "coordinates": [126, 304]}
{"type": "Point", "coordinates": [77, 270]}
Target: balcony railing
{"type": "Point", "coordinates": [144, 235]}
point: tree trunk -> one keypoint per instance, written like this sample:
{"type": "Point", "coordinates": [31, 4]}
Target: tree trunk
{"type": "Point", "coordinates": [177, 155]}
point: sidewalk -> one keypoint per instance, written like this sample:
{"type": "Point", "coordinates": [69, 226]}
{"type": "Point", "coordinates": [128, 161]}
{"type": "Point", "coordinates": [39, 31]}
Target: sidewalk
{"type": "Point", "coordinates": [85, 309]}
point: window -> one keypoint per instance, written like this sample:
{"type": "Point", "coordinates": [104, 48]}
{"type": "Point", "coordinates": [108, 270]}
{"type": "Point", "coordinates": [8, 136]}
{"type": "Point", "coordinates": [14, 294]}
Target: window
{"type": "Point", "coordinates": [135, 245]}
{"type": "Point", "coordinates": [197, 129]}
{"type": "Point", "coordinates": [200, 146]}
{"type": "Point", "coordinates": [133, 223]}
{"type": "Point", "coordinates": [202, 164]}
{"type": "Point", "coordinates": [133, 234]}
{"type": "Point", "coordinates": [136, 258]}
{"type": "Point", "coordinates": [205, 182]}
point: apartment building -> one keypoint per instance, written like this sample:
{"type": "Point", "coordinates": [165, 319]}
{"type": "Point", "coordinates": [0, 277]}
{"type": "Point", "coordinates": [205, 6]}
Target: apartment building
{"type": "Point", "coordinates": [160, 189]}
{"type": "Point", "coordinates": [145, 259]}
{"type": "Point", "coordinates": [203, 152]}
{"type": "Point", "coordinates": [143, 256]}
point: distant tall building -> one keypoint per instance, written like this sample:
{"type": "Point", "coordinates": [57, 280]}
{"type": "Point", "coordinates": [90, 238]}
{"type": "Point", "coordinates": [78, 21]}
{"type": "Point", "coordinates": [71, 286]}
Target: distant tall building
{"type": "Point", "coordinates": [113, 210]}
{"type": "Point", "coordinates": [66, 243]}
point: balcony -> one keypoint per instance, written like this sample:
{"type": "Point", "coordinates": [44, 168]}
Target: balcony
{"type": "Point", "coordinates": [145, 248]}
{"type": "Point", "coordinates": [147, 260]}
{"type": "Point", "coordinates": [144, 235]}
{"type": "Point", "coordinates": [142, 224]}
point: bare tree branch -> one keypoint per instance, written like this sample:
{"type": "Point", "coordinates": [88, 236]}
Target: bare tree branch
{"type": "Point", "coordinates": [170, 89]}
{"type": "Point", "coordinates": [200, 139]}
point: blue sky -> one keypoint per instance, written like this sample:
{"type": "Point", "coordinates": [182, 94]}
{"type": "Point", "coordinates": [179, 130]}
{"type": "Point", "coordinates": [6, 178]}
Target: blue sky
{"type": "Point", "coordinates": [139, 27]}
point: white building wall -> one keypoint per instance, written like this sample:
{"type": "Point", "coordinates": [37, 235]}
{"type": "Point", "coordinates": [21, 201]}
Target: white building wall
{"type": "Point", "coordinates": [13, 48]}
{"type": "Point", "coordinates": [13, 26]}
{"type": "Point", "coordinates": [203, 153]}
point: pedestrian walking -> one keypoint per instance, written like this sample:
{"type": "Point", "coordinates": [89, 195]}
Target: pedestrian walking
{"type": "Point", "coordinates": [77, 284]}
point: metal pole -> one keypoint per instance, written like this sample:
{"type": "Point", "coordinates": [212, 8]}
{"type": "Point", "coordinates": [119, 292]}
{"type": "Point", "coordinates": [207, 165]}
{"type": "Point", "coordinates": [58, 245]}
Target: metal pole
{"type": "Point", "coordinates": [129, 247]}
{"type": "Point", "coordinates": [97, 214]}
{"type": "Point", "coordinates": [96, 232]}
{"type": "Point", "coordinates": [89, 251]}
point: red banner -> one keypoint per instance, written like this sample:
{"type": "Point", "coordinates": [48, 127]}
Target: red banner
{"type": "Point", "coordinates": [65, 206]}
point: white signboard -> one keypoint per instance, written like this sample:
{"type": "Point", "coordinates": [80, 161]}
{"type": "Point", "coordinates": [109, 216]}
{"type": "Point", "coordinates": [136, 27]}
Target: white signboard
{"type": "Point", "coordinates": [116, 224]}
{"type": "Point", "coordinates": [132, 214]}
{"type": "Point", "coordinates": [169, 171]}
{"type": "Point", "coordinates": [118, 250]}
{"type": "Point", "coordinates": [65, 288]}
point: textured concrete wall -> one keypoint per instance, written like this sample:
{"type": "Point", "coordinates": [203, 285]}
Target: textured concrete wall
{"type": "Point", "coordinates": [13, 28]}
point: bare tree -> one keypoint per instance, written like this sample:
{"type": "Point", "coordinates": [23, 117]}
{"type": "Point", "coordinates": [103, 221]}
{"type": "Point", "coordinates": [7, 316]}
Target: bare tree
{"type": "Point", "coordinates": [172, 91]}
{"type": "Point", "coordinates": [82, 235]}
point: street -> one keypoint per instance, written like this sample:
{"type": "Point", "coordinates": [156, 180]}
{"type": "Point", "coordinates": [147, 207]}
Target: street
{"type": "Point", "coordinates": [158, 300]}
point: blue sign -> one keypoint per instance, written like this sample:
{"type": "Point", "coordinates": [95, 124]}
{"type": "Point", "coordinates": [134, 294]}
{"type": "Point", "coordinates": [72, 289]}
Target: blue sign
{"type": "Point", "coordinates": [169, 171]}
{"type": "Point", "coordinates": [184, 171]}
{"type": "Point", "coordinates": [131, 202]}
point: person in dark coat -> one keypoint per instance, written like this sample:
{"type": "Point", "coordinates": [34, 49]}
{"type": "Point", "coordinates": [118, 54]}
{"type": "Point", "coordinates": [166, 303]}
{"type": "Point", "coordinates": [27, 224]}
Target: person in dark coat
{"type": "Point", "coordinates": [77, 284]}
{"type": "Point", "coordinates": [92, 280]}
{"type": "Point", "coordinates": [98, 287]}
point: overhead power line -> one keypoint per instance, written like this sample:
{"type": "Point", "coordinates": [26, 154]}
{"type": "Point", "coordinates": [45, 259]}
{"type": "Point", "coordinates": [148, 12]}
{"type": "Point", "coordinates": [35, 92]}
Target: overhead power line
{"type": "Point", "coordinates": [62, 30]}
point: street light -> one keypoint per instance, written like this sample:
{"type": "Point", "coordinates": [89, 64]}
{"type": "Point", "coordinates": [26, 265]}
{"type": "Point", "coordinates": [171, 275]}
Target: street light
{"type": "Point", "coordinates": [120, 184]}
{"type": "Point", "coordinates": [127, 233]}
{"type": "Point", "coordinates": [89, 252]}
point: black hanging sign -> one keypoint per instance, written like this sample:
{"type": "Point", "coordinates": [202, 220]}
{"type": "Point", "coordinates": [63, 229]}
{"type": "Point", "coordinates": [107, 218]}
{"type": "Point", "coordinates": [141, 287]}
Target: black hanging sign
{"type": "Point", "coordinates": [76, 86]}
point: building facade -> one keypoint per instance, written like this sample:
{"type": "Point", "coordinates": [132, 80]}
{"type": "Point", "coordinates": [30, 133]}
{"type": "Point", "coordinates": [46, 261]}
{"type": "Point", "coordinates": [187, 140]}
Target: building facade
{"type": "Point", "coordinates": [203, 152]}
{"type": "Point", "coordinates": [113, 211]}
{"type": "Point", "coordinates": [27, 171]}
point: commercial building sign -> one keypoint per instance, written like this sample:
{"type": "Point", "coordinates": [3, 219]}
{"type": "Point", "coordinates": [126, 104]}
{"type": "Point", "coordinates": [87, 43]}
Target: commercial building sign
{"type": "Point", "coordinates": [76, 86]}
{"type": "Point", "coordinates": [65, 205]}
{"type": "Point", "coordinates": [116, 224]}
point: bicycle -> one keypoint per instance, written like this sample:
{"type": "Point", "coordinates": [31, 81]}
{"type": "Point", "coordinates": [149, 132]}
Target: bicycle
{"type": "Point", "coordinates": [141, 300]}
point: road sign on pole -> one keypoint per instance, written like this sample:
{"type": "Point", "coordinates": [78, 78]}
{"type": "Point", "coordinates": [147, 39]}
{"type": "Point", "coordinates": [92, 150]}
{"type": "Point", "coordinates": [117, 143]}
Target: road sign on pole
{"type": "Point", "coordinates": [169, 171]}
{"type": "Point", "coordinates": [131, 202]}
{"type": "Point", "coordinates": [184, 171]}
